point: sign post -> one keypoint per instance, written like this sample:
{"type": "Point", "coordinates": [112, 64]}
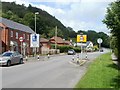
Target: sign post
{"type": "Point", "coordinates": [81, 38]}
{"type": "Point", "coordinates": [99, 41]}
{"type": "Point", "coordinates": [21, 40]}
{"type": "Point", "coordinates": [34, 41]}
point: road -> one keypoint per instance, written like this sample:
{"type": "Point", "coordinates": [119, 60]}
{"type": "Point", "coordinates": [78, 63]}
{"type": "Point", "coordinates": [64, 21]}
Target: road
{"type": "Point", "coordinates": [57, 72]}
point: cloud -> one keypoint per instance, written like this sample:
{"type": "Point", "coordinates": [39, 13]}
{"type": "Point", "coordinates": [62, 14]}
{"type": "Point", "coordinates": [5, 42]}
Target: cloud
{"type": "Point", "coordinates": [78, 14]}
{"type": "Point", "coordinates": [51, 10]}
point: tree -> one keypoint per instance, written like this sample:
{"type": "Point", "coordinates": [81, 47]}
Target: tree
{"type": "Point", "coordinates": [112, 20]}
{"type": "Point", "coordinates": [52, 33]}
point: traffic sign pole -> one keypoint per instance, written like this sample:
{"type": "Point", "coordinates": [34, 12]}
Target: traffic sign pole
{"type": "Point", "coordinates": [81, 40]}
{"type": "Point", "coordinates": [99, 41]}
{"type": "Point", "coordinates": [21, 48]}
{"type": "Point", "coordinates": [21, 40]}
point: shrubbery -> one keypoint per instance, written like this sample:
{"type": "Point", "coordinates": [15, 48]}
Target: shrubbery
{"type": "Point", "coordinates": [95, 48]}
{"type": "Point", "coordinates": [65, 48]}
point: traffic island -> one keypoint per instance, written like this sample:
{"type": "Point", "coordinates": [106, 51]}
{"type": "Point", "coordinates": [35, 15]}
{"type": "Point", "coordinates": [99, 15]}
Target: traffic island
{"type": "Point", "coordinates": [79, 62]}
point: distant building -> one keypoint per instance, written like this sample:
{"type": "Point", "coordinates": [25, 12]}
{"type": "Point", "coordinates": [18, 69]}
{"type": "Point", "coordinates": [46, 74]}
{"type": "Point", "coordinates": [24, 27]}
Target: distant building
{"type": "Point", "coordinates": [67, 43]}
{"type": "Point", "coordinates": [45, 46]}
{"type": "Point", "coordinates": [11, 33]}
{"type": "Point", "coordinates": [59, 41]}
{"type": "Point", "coordinates": [89, 46]}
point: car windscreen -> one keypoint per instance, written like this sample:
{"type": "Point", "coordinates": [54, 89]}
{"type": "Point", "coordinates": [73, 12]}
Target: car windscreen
{"type": "Point", "coordinates": [6, 54]}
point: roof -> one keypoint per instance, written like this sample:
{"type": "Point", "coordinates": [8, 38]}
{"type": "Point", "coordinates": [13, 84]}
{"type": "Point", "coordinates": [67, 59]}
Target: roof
{"type": "Point", "coordinates": [43, 40]}
{"type": "Point", "coordinates": [57, 39]}
{"type": "Point", "coordinates": [88, 42]}
{"type": "Point", "coordinates": [15, 25]}
{"type": "Point", "coordinates": [67, 42]}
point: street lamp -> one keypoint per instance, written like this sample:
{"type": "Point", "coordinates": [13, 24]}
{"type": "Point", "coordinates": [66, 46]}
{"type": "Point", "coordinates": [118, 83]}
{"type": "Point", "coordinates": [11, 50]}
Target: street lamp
{"type": "Point", "coordinates": [35, 27]}
{"type": "Point", "coordinates": [35, 20]}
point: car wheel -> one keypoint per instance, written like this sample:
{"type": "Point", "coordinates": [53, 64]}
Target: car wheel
{"type": "Point", "coordinates": [21, 61]}
{"type": "Point", "coordinates": [9, 63]}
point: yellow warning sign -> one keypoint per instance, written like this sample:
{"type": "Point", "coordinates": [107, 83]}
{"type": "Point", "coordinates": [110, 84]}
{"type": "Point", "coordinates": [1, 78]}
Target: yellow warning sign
{"type": "Point", "coordinates": [81, 38]}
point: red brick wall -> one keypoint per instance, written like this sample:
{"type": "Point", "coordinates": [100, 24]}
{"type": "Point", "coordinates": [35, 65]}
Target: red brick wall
{"type": "Point", "coordinates": [6, 38]}
{"type": "Point", "coordinates": [0, 41]}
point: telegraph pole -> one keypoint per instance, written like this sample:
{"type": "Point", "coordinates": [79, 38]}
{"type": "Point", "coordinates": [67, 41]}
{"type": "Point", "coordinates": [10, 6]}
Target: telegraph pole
{"type": "Point", "coordinates": [56, 39]}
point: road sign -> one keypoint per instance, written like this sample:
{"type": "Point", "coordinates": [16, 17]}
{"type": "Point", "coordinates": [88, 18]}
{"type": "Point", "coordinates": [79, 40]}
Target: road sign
{"type": "Point", "coordinates": [21, 39]}
{"type": "Point", "coordinates": [81, 38]}
{"type": "Point", "coordinates": [34, 40]}
{"type": "Point", "coordinates": [99, 40]}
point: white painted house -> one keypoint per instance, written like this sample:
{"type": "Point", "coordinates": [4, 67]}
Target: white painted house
{"type": "Point", "coordinates": [89, 46]}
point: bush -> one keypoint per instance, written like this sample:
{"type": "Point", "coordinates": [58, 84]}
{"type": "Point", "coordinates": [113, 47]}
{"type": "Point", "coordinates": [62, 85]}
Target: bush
{"type": "Point", "coordinates": [77, 49]}
{"type": "Point", "coordinates": [115, 51]}
{"type": "Point", "coordinates": [95, 48]}
{"type": "Point", "coordinates": [65, 48]}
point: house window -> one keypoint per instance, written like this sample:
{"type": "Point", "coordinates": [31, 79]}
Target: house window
{"type": "Point", "coordinates": [16, 35]}
{"type": "Point", "coordinates": [11, 33]}
{"type": "Point", "coordinates": [23, 36]}
{"type": "Point", "coordinates": [27, 37]}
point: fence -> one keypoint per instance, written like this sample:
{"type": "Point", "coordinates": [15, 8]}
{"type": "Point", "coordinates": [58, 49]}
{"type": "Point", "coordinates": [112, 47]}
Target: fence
{"type": "Point", "coordinates": [50, 51]}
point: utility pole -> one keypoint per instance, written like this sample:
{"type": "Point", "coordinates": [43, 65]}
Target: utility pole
{"type": "Point", "coordinates": [35, 29]}
{"type": "Point", "coordinates": [56, 39]}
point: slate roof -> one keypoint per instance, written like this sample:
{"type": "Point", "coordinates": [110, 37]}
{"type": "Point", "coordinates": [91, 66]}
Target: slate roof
{"type": "Point", "coordinates": [88, 42]}
{"type": "Point", "coordinates": [15, 25]}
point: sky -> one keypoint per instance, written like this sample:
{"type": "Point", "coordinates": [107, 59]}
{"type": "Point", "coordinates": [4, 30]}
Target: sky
{"type": "Point", "coordinates": [77, 14]}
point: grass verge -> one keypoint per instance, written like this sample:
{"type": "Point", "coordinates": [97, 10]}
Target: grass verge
{"type": "Point", "coordinates": [102, 73]}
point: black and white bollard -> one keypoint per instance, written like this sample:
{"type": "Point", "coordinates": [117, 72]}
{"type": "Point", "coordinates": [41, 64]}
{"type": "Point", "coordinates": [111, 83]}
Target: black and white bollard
{"type": "Point", "coordinates": [26, 58]}
{"type": "Point", "coordinates": [73, 58]}
{"type": "Point", "coordinates": [48, 56]}
{"type": "Point", "coordinates": [86, 57]}
{"type": "Point", "coordinates": [38, 57]}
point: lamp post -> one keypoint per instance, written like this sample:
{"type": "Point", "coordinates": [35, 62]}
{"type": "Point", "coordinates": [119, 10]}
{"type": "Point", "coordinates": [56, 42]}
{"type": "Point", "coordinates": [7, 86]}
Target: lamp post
{"type": "Point", "coordinates": [35, 27]}
{"type": "Point", "coordinates": [56, 39]}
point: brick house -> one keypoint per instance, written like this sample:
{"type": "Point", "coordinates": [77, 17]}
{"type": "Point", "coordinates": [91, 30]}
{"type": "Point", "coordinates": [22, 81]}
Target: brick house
{"type": "Point", "coordinates": [0, 40]}
{"type": "Point", "coordinates": [11, 33]}
{"type": "Point", "coordinates": [45, 46]}
{"type": "Point", "coordinates": [59, 41]}
{"type": "Point", "coordinates": [67, 43]}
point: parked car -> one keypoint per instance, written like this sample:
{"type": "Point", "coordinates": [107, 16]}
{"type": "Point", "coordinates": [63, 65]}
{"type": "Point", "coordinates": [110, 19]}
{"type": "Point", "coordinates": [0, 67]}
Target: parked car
{"type": "Point", "coordinates": [71, 52]}
{"type": "Point", "coordinates": [11, 57]}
